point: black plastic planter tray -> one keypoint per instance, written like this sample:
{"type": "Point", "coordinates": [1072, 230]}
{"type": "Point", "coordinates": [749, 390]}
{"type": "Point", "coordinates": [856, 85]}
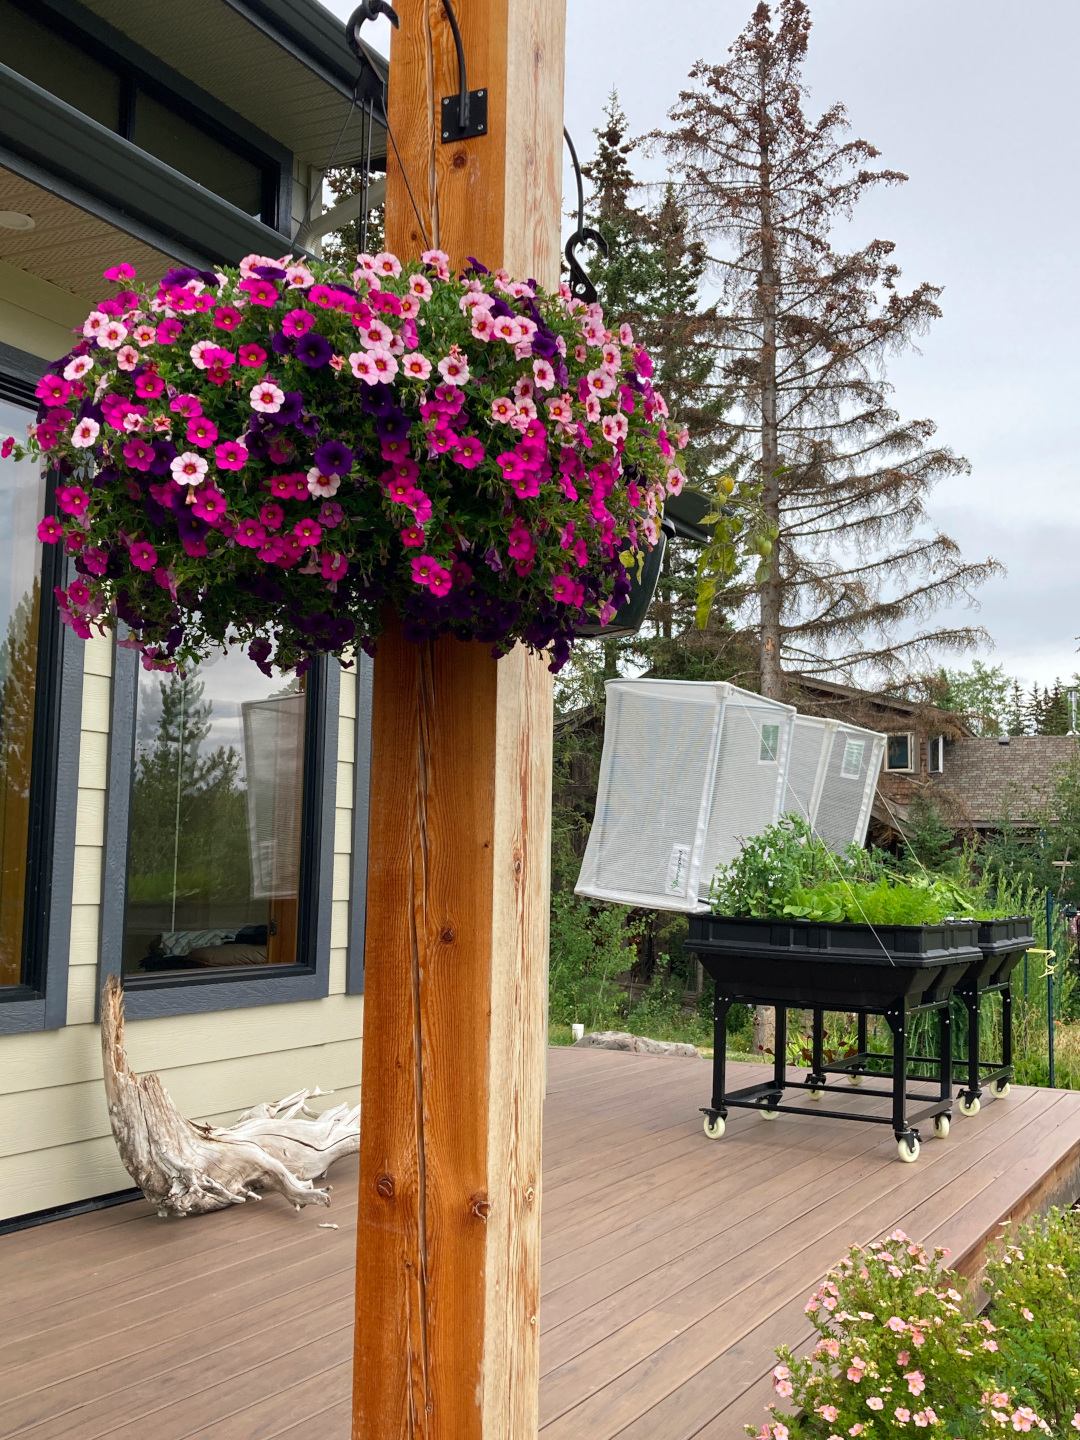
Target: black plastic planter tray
{"type": "Point", "coordinates": [1002, 944]}
{"type": "Point", "coordinates": [833, 966]}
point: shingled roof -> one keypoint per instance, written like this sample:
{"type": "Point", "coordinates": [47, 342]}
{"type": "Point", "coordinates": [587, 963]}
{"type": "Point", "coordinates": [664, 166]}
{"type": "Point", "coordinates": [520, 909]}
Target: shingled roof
{"type": "Point", "coordinates": [986, 779]}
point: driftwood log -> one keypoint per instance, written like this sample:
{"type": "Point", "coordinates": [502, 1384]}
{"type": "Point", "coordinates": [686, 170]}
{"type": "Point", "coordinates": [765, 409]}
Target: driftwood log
{"type": "Point", "coordinates": [187, 1168]}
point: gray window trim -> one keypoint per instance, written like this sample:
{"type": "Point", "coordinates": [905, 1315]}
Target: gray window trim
{"type": "Point", "coordinates": [354, 970]}
{"type": "Point", "coordinates": [308, 981]}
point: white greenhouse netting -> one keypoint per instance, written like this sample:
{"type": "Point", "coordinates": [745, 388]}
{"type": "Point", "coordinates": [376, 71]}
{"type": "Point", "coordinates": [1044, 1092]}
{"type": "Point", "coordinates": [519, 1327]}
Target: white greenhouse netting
{"type": "Point", "coordinates": [832, 777]}
{"type": "Point", "coordinates": [689, 770]}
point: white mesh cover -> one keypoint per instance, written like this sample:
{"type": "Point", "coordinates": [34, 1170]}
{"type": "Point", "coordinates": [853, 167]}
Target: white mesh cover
{"type": "Point", "coordinates": [847, 792]}
{"type": "Point", "coordinates": [689, 770]}
{"type": "Point", "coordinates": [811, 743]}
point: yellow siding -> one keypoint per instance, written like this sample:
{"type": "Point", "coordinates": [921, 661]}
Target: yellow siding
{"type": "Point", "coordinates": [55, 1145]}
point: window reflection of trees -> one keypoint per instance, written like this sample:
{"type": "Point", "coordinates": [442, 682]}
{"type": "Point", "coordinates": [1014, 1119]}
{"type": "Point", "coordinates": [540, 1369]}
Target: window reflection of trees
{"type": "Point", "coordinates": [18, 673]}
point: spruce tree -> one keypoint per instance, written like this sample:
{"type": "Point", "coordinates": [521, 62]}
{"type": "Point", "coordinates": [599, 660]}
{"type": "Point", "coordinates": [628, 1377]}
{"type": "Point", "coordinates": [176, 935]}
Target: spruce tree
{"type": "Point", "coordinates": [806, 334]}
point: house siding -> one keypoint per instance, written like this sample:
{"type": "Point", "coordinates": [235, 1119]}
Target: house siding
{"type": "Point", "coordinates": [55, 1142]}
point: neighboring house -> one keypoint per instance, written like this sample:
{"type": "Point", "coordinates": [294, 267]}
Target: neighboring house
{"type": "Point", "coordinates": [975, 782]}
{"type": "Point", "coordinates": [206, 839]}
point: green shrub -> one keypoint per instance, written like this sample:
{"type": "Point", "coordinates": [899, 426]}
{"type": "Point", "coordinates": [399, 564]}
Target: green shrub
{"type": "Point", "coordinates": [590, 947]}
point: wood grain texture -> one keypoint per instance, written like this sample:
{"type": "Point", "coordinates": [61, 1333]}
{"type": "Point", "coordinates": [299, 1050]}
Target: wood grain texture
{"type": "Point", "coordinates": [448, 1247]}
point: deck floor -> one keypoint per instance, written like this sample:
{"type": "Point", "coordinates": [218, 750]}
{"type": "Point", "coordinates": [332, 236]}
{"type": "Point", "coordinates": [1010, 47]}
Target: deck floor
{"type": "Point", "coordinates": [672, 1266]}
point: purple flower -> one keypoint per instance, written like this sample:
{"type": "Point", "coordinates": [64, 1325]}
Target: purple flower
{"type": "Point", "coordinates": [313, 349]}
{"type": "Point", "coordinates": [393, 426]}
{"type": "Point", "coordinates": [292, 407]}
{"type": "Point", "coordinates": [334, 458]}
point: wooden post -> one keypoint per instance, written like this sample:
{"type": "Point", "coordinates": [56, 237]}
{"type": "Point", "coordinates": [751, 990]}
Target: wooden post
{"type": "Point", "coordinates": [448, 1247]}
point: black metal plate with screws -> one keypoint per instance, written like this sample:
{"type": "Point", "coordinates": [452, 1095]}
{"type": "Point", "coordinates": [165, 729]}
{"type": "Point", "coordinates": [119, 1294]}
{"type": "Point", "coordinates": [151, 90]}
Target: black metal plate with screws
{"type": "Point", "coordinates": [476, 123]}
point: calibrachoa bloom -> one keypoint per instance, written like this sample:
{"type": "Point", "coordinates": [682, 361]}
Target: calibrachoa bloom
{"type": "Point", "coordinates": [499, 487]}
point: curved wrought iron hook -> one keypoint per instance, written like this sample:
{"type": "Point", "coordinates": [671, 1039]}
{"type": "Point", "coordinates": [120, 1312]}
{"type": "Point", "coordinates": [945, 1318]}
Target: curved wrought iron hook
{"type": "Point", "coordinates": [581, 287]}
{"type": "Point", "coordinates": [370, 89]}
{"type": "Point", "coordinates": [463, 84]}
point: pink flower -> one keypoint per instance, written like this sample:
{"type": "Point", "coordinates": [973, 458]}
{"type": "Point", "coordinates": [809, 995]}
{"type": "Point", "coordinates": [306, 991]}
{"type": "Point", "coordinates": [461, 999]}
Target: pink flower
{"type": "Point", "coordinates": [427, 571]}
{"type": "Point", "coordinates": [298, 276]}
{"type": "Point", "coordinates": [139, 454]}
{"type": "Point", "coordinates": [916, 1381]}
{"type": "Point", "coordinates": [143, 555]}
{"type": "Point", "coordinates": [94, 323]}
{"type": "Point", "coordinates": [320, 485]}
{"type": "Point", "coordinates": [503, 410]}
{"type": "Point", "coordinates": [903, 1357]}
{"type": "Point", "coordinates": [483, 324]}
{"type": "Point", "coordinates": [600, 383]}
{"type": "Point", "coordinates": [201, 431]}
{"type": "Point", "coordinates": [123, 271]}
{"type": "Point", "coordinates": [675, 481]}
{"type": "Point", "coordinates": [260, 292]}
{"type": "Point", "coordinates": [856, 1369]}
{"type": "Point", "coordinates": [251, 355]}
{"type": "Point", "coordinates": [375, 333]}
{"type": "Point", "coordinates": [266, 397]}
{"type": "Point", "coordinates": [85, 433]}
{"type": "Point", "coordinates": [250, 534]}
{"type": "Point", "coordinates": [230, 455]}
{"type": "Point", "coordinates": [592, 409]}
{"type": "Point", "coordinates": [544, 374]}
{"type": "Point", "coordinates": [1026, 1313]}
{"type": "Point", "coordinates": [384, 365]}
{"type": "Point", "coordinates": [875, 1402]}
{"type": "Point", "coordinates": [387, 264]}
{"type": "Point", "coordinates": [127, 357]}
{"type": "Point", "coordinates": [417, 366]}
{"type": "Point", "coordinates": [469, 452]}
{"type": "Point", "coordinates": [169, 331]}
{"type": "Point", "coordinates": [77, 368]}
{"type": "Point", "coordinates": [439, 262]}
{"type": "Point", "coordinates": [189, 468]}
{"type": "Point", "coordinates": [454, 369]}
{"type": "Point", "coordinates": [52, 390]}
{"type": "Point", "coordinates": [420, 286]}
{"type": "Point", "coordinates": [614, 428]}
{"type": "Point", "coordinates": [506, 328]}
{"type": "Point", "coordinates": [209, 504]}
{"type": "Point", "coordinates": [308, 531]}
{"type": "Point", "coordinates": [334, 567]}
{"type": "Point", "coordinates": [626, 335]}
{"type": "Point", "coordinates": [895, 1323]}
{"type": "Point", "coordinates": [227, 317]}
{"type": "Point", "coordinates": [413, 535]}
{"type": "Point", "coordinates": [902, 1415]}
{"type": "Point", "coordinates": [50, 530]}
{"type": "Point", "coordinates": [611, 357]}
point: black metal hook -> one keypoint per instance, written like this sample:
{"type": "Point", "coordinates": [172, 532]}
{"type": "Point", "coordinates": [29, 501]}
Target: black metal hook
{"type": "Point", "coordinates": [471, 118]}
{"type": "Point", "coordinates": [463, 84]}
{"type": "Point", "coordinates": [581, 287]}
{"type": "Point", "coordinates": [370, 90]}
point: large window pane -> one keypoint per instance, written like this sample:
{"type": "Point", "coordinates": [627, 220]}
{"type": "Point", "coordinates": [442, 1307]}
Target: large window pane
{"type": "Point", "coordinates": [187, 148]}
{"type": "Point", "coordinates": [214, 842]}
{"type": "Point", "coordinates": [44, 57]}
{"type": "Point", "coordinates": [22, 497]}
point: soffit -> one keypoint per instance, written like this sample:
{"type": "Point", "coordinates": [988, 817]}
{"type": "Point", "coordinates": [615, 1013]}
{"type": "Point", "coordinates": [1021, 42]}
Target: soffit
{"type": "Point", "coordinates": [218, 48]}
{"type": "Point", "coordinates": [69, 247]}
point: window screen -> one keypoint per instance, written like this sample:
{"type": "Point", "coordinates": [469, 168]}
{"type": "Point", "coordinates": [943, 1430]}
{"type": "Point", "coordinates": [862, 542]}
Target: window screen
{"type": "Point", "coordinates": [898, 753]}
{"type": "Point", "coordinates": [214, 848]}
{"type": "Point", "coordinates": [770, 743]}
{"type": "Point", "coordinates": [22, 499]}
{"type": "Point", "coordinates": [935, 755]}
{"type": "Point", "coordinates": [851, 766]}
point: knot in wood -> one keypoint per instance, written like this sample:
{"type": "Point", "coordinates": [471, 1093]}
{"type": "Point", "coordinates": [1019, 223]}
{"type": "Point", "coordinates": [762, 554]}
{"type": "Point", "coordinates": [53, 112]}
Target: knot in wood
{"type": "Point", "coordinates": [385, 1186]}
{"type": "Point", "coordinates": [447, 936]}
{"type": "Point", "coordinates": [530, 1195]}
{"type": "Point", "coordinates": [480, 1206]}
{"type": "Point", "coordinates": [459, 161]}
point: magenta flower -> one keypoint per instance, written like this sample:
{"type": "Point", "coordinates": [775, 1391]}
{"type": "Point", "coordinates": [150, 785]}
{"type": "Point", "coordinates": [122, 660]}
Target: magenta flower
{"type": "Point", "coordinates": [143, 555]}
{"type": "Point", "coordinates": [469, 452]}
{"type": "Point", "coordinates": [521, 546]}
{"type": "Point", "coordinates": [50, 530]}
{"type": "Point", "coordinates": [297, 322]}
{"type": "Point", "coordinates": [209, 504]}
{"type": "Point", "coordinates": [334, 567]}
{"type": "Point", "coordinates": [272, 516]}
{"type": "Point", "coordinates": [95, 560]}
{"type": "Point", "coordinates": [250, 534]}
{"type": "Point", "coordinates": [169, 331]}
{"type": "Point", "coordinates": [72, 499]}
{"type": "Point", "coordinates": [123, 271]}
{"type": "Point", "coordinates": [227, 317]}
{"type": "Point", "coordinates": [261, 292]}
{"type": "Point", "coordinates": [289, 487]}
{"type": "Point", "coordinates": [149, 386]}
{"type": "Point", "coordinates": [188, 405]}
{"type": "Point", "coordinates": [308, 532]}
{"type": "Point", "coordinates": [201, 431]}
{"type": "Point", "coordinates": [413, 536]}
{"type": "Point", "coordinates": [252, 355]}
{"type": "Point", "coordinates": [401, 491]}
{"type": "Point", "coordinates": [7, 447]}
{"type": "Point", "coordinates": [230, 454]}
{"type": "Point", "coordinates": [563, 588]}
{"type": "Point", "coordinates": [52, 390]}
{"type": "Point", "coordinates": [139, 453]}
{"type": "Point", "coordinates": [330, 515]}
{"type": "Point", "coordinates": [427, 571]}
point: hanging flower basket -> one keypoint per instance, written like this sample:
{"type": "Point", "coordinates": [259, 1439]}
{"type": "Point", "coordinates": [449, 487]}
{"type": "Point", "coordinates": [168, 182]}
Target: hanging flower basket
{"type": "Point", "coordinates": [278, 455]}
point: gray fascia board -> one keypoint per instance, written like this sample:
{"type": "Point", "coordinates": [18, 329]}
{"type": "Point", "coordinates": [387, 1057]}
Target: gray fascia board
{"type": "Point", "coordinates": [138, 188]}
{"type": "Point", "coordinates": [312, 35]}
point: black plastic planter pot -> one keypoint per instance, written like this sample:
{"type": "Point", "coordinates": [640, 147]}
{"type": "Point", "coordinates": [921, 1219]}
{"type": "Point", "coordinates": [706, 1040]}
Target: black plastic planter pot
{"type": "Point", "coordinates": [630, 616]}
{"type": "Point", "coordinates": [811, 964]}
{"type": "Point", "coordinates": [1003, 944]}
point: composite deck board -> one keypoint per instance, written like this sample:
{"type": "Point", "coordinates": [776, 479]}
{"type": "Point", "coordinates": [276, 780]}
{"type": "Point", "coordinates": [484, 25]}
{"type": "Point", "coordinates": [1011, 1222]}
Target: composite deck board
{"type": "Point", "coordinates": [673, 1266]}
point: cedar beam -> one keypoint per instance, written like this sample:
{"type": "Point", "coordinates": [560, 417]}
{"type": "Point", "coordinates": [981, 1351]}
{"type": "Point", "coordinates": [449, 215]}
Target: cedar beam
{"type": "Point", "coordinates": [448, 1252]}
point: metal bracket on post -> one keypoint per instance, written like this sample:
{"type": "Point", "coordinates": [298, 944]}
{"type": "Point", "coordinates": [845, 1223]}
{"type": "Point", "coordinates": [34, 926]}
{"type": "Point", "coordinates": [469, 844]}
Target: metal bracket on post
{"type": "Point", "coordinates": [464, 115]}
{"type": "Point", "coordinates": [581, 287]}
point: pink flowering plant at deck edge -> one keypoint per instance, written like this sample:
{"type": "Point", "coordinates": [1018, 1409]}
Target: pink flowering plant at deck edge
{"type": "Point", "coordinates": [899, 1352]}
{"type": "Point", "coordinates": [278, 454]}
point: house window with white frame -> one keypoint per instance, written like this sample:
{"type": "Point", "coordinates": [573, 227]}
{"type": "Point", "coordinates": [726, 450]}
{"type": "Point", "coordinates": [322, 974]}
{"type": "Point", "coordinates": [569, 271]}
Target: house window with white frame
{"type": "Point", "coordinates": [900, 753]}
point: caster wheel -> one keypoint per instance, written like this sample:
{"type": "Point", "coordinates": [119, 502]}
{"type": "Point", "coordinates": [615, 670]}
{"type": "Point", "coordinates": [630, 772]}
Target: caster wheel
{"type": "Point", "coordinates": [770, 1114]}
{"type": "Point", "coordinates": [908, 1149]}
{"type": "Point", "coordinates": [941, 1126]}
{"type": "Point", "coordinates": [815, 1094]}
{"type": "Point", "coordinates": [969, 1105]}
{"type": "Point", "coordinates": [999, 1089]}
{"type": "Point", "coordinates": [714, 1126]}
{"type": "Point", "coordinates": [854, 1079]}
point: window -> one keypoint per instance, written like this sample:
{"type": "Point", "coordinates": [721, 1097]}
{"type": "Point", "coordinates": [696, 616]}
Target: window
{"type": "Point", "coordinates": [898, 752]}
{"type": "Point", "coordinates": [851, 765]}
{"type": "Point", "coordinates": [770, 743]}
{"type": "Point", "coordinates": [935, 755]}
{"type": "Point", "coordinates": [214, 844]}
{"type": "Point", "coordinates": [22, 504]}
{"type": "Point", "coordinates": [104, 86]}
{"type": "Point", "coordinates": [220, 835]}
{"type": "Point", "coordinates": [40, 704]}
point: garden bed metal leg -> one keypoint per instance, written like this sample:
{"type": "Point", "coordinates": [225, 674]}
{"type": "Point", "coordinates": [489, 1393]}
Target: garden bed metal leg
{"type": "Point", "coordinates": [973, 1001]}
{"type": "Point", "coordinates": [816, 1079]}
{"type": "Point", "coordinates": [897, 1018]}
{"type": "Point", "coordinates": [1007, 1029]}
{"type": "Point", "coordinates": [780, 1050]}
{"type": "Point", "coordinates": [945, 1050]}
{"type": "Point", "coordinates": [721, 1006]}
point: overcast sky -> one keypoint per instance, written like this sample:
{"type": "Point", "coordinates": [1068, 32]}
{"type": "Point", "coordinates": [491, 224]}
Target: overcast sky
{"type": "Point", "coordinates": [975, 101]}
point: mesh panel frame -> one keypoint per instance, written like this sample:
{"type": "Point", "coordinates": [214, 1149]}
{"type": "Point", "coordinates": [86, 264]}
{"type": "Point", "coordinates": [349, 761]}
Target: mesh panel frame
{"type": "Point", "coordinates": [843, 813]}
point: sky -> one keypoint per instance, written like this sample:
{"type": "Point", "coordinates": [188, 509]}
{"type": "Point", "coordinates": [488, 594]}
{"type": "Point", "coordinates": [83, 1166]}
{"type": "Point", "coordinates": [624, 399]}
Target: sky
{"type": "Point", "coordinates": [974, 100]}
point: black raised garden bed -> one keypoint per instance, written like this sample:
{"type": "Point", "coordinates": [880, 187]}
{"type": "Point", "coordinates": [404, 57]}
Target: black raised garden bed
{"type": "Point", "coordinates": [1002, 944]}
{"type": "Point", "coordinates": [897, 971]}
